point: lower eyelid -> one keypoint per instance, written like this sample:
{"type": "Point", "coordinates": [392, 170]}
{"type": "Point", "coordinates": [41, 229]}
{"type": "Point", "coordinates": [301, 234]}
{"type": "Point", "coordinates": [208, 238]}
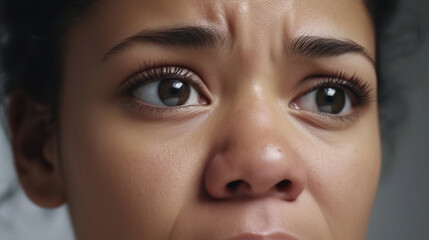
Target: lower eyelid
{"type": "Point", "coordinates": [145, 111]}
{"type": "Point", "coordinates": [326, 121]}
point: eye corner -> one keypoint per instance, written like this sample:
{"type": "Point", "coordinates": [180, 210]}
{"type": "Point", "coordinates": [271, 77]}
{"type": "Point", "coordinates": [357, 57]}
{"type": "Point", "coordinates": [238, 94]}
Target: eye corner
{"type": "Point", "coordinates": [293, 105]}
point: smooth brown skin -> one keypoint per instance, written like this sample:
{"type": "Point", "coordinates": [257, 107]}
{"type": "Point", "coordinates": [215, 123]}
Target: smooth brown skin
{"type": "Point", "coordinates": [145, 175]}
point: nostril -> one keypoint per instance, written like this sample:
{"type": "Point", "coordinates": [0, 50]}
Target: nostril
{"type": "Point", "coordinates": [233, 186]}
{"type": "Point", "coordinates": [283, 185]}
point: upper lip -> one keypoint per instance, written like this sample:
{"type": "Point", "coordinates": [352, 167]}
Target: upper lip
{"type": "Point", "coordinates": [269, 236]}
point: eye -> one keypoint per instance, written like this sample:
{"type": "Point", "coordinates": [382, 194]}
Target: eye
{"type": "Point", "coordinates": [167, 92]}
{"type": "Point", "coordinates": [328, 100]}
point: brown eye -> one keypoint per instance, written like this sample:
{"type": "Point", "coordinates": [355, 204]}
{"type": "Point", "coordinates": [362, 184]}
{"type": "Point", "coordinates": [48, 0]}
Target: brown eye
{"type": "Point", "coordinates": [167, 92]}
{"type": "Point", "coordinates": [173, 92]}
{"type": "Point", "coordinates": [328, 100]}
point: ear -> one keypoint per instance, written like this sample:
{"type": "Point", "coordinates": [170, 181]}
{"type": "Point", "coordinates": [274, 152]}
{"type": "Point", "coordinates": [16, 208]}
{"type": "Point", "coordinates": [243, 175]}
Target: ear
{"type": "Point", "coordinates": [34, 140]}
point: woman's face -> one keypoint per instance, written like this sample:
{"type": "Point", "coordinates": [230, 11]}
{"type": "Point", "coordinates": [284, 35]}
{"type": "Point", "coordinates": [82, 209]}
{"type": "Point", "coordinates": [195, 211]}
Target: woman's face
{"type": "Point", "coordinates": [220, 119]}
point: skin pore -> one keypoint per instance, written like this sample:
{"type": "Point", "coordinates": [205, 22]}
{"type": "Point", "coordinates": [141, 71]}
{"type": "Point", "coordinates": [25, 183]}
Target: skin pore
{"type": "Point", "coordinates": [248, 154]}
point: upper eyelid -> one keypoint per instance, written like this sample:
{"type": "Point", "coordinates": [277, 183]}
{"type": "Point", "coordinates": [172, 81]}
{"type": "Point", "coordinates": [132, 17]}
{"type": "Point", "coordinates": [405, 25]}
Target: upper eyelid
{"type": "Point", "coordinates": [340, 79]}
{"type": "Point", "coordinates": [339, 74]}
{"type": "Point", "coordinates": [143, 75]}
{"type": "Point", "coordinates": [350, 85]}
{"type": "Point", "coordinates": [151, 72]}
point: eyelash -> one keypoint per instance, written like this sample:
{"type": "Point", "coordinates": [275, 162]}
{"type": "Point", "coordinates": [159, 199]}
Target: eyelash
{"type": "Point", "coordinates": [150, 72]}
{"type": "Point", "coordinates": [360, 91]}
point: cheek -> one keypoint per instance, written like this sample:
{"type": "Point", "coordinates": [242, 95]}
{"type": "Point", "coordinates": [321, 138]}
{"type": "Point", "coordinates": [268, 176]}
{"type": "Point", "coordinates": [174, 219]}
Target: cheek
{"type": "Point", "coordinates": [118, 168]}
{"type": "Point", "coordinates": [343, 177]}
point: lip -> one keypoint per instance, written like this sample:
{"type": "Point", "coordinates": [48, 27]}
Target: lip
{"type": "Point", "coordinates": [270, 236]}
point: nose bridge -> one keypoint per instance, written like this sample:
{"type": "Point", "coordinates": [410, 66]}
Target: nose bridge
{"type": "Point", "coordinates": [253, 102]}
{"type": "Point", "coordinates": [253, 117]}
{"type": "Point", "coordinates": [254, 157]}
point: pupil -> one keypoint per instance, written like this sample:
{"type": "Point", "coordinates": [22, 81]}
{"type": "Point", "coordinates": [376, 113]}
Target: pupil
{"type": "Point", "coordinates": [330, 100]}
{"type": "Point", "coordinates": [173, 92]}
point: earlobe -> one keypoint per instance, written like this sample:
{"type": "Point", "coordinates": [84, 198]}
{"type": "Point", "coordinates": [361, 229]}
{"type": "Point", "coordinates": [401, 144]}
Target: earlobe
{"type": "Point", "coordinates": [34, 145]}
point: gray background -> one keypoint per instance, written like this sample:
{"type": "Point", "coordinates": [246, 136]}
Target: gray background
{"type": "Point", "coordinates": [401, 209]}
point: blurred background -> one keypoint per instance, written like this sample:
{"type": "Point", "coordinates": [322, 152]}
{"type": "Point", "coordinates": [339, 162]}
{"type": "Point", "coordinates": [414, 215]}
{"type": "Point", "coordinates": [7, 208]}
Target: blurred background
{"type": "Point", "coordinates": [401, 210]}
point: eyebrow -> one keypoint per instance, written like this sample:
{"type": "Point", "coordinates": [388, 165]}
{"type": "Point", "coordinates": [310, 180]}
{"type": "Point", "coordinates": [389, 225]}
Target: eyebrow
{"type": "Point", "coordinates": [201, 37]}
{"type": "Point", "coordinates": [319, 47]}
{"type": "Point", "coordinates": [206, 37]}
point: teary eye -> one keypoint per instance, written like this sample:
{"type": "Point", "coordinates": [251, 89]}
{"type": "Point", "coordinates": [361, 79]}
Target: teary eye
{"type": "Point", "coordinates": [336, 96]}
{"type": "Point", "coordinates": [328, 100]}
{"type": "Point", "coordinates": [167, 92]}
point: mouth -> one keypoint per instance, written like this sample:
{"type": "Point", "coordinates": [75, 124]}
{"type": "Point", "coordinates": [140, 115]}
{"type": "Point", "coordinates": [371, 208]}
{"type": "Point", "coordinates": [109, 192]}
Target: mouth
{"type": "Point", "coordinates": [270, 236]}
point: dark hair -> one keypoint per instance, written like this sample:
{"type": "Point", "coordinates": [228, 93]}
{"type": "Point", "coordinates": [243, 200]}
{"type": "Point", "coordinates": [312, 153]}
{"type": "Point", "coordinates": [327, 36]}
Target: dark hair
{"type": "Point", "coordinates": [30, 50]}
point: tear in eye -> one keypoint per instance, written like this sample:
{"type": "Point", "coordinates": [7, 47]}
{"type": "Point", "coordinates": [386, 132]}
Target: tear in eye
{"type": "Point", "coordinates": [325, 100]}
{"type": "Point", "coordinates": [167, 92]}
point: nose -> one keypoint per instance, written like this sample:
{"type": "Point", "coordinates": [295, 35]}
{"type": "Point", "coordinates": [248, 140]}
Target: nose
{"type": "Point", "coordinates": [254, 159]}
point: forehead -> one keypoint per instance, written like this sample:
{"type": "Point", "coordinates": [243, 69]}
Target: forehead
{"type": "Point", "coordinates": [245, 20]}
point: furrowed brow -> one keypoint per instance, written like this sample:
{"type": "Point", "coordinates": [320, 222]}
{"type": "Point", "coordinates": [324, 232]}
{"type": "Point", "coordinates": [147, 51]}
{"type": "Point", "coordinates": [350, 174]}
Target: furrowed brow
{"type": "Point", "coordinates": [202, 37]}
{"type": "Point", "coordinates": [320, 47]}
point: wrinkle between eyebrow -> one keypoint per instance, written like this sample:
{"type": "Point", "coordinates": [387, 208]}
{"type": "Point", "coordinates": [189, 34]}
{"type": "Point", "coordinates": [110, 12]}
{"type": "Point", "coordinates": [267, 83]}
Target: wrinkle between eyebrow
{"type": "Point", "coordinates": [318, 47]}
